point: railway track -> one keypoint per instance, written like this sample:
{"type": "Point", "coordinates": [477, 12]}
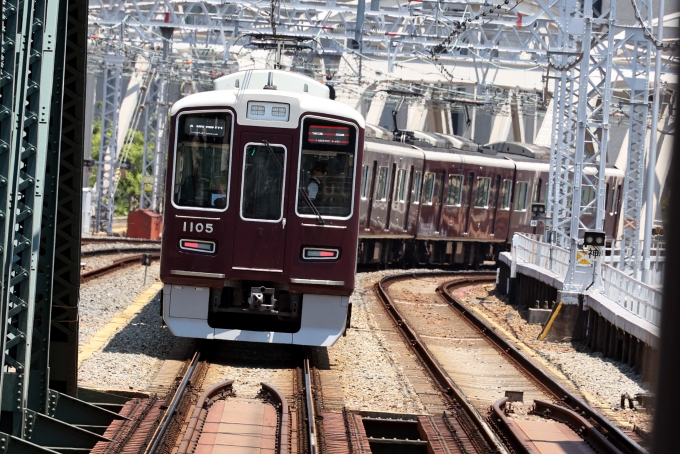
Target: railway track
{"type": "Point", "coordinates": [115, 239]}
{"type": "Point", "coordinates": [475, 366]}
{"type": "Point", "coordinates": [205, 412]}
{"type": "Point", "coordinates": [115, 265]}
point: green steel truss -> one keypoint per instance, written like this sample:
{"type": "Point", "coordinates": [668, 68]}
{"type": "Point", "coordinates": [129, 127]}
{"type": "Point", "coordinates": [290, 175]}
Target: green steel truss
{"type": "Point", "coordinates": [42, 85]}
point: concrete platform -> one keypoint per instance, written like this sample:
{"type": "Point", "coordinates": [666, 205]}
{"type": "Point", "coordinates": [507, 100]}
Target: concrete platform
{"type": "Point", "coordinates": [615, 314]}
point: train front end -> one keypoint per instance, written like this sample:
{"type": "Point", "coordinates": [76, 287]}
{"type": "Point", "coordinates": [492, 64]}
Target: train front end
{"type": "Point", "coordinates": [260, 223]}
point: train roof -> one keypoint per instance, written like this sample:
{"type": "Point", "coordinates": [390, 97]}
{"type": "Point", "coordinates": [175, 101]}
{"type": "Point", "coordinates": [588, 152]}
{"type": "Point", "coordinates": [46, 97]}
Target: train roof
{"type": "Point", "coordinates": [283, 80]}
{"type": "Point", "coordinates": [520, 148]}
{"type": "Point", "coordinates": [299, 104]}
{"type": "Point", "coordinates": [469, 158]}
{"type": "Point", "coordinates": [501, 160]}
{"type": "Point", "coordinates": [393, 147]}
{"type": "Point", "coordinates": [378, 132]}
{"type": "Point", "coordinates": [459, 142]}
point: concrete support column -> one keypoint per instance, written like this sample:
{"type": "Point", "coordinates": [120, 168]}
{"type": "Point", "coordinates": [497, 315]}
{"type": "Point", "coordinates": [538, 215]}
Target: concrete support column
{"type": "Point", "coordinates": [417, 113]}
{"type": "Point", "coordinates": [501, 123]}
{"type": "Point", "coordinates": [431, 122]}
{"type": "Point", "coordinates": [545, 133]}
{"type": "Point", "coordinates": [445, 113]}
{"type": "Point", "coordinates": [376, 108]}
{"type": "Point", "coordinates": [517, 118]}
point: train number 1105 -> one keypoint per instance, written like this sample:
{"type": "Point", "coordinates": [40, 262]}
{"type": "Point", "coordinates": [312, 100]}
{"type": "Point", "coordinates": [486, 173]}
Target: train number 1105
{"type": "Point", "coordinates": [197, 227]}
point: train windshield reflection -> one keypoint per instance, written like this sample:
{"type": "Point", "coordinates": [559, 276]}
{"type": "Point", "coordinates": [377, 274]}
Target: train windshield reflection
{"type": "Point", "coordinates": [327, 168]}
{"type": "Point", "coordinates": [202, 161]}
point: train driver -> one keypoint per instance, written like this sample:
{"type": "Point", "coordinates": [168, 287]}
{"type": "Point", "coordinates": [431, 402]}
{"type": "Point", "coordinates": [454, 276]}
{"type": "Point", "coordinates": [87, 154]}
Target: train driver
{"type": "Point", "coordinates": [315, 185]}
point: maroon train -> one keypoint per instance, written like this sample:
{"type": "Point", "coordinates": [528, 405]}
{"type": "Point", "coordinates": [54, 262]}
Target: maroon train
{"type": "Point", "coordinates": [260, 223]}
{"type": "Point", "coordinates": [446, 206]}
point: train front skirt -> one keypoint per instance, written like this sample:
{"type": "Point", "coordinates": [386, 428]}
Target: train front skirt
{"type": "Point", "coordinates": [186, 308]}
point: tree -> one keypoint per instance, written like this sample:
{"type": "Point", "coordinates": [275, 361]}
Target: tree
{"type": "Point", "coordinates": [129, 185]}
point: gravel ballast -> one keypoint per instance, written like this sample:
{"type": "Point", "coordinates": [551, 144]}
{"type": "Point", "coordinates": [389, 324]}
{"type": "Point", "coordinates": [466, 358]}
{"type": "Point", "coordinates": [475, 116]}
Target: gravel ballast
{"type": "Point", "coordinates": [368, 370]}
{"type": "Point", "coordinates": [133, 356]}
{"type": "Point", "coordinates": [102, 298]}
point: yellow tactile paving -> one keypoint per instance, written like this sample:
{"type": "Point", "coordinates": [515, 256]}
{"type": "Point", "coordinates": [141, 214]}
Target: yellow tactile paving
{"type": "Point", "coordinates": [121, 319]}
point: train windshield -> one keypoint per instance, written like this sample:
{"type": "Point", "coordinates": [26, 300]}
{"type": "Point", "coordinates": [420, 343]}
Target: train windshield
{"type": "Point", "coordinates": [327, 167]}
{"type": "Point", "coordinates": [202, 160]}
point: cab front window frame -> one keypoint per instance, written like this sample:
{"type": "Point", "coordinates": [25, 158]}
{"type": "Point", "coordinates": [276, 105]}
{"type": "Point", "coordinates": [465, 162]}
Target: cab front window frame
{"type": "Point", "coordinates": [298, 198]}
{"type": "Point", "coordinates": [230, 144]}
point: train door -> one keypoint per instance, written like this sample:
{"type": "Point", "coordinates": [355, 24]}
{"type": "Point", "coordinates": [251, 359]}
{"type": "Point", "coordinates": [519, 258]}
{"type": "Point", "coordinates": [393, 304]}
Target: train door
{"type": "Point", "coordinates": [260, 228]}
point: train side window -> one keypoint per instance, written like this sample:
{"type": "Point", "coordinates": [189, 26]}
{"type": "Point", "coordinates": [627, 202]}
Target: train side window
{"type": "Point", "coordinates": [365, 177]}
{"type": "Point", "coordinates": [400, 190]}
{"type": "Point", "coordinates": [383, 176]}
{"type": "Point", "coordinates": [521, 195]}
{"type": "Point", "coordinates": [455, 192]}
{"type": "Point", "coordinates": [263, 177]}
{"type": "Point", "coordinates": [428, 188]}
{"type": "Point", "coordinates": [506, 194]}
{"type": "Point", "coordinates": [588, 194]}
{"type": "Point", "coordinates": [417, 182]}
{"type": "Point", "coordinates": [482, 194]}
{"type": "Point", "coordinates": [202, 161]}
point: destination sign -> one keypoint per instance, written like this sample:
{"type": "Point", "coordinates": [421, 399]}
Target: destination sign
{"type": "Point", "coordinates": [202, 126]}
{"type": "Point", "coordinates": [333, 135]}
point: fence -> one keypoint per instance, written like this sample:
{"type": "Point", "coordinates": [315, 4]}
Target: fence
{"type": "Point", "coordinates": [633, 295]}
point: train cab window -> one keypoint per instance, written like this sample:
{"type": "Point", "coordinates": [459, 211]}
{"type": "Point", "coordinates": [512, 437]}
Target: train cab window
{"type": "Point", "coordinates": [381, 192]}
{"type": "Point", "coordinates": [428, 188]}
{"type": "Point", "coordinates": [521, 195]}
{"type": "Point", "coordinates": [482, 194]}
{"type": "Point", "coordinates": [202, 161]}
{"type": "Point", "coordinates": [263, 177]}
{"type": "Point", "coordinates": [327, 164]}
{"type": "Point", "coordinates": [417, 182]}
{"type": "Point", "coordinates": [365, 176]}
{"type": "Point", "coordinates": [506, 194]}
{"type": "Point", "coordinates": [455, 192]}
{"type": "Point", "coordinates": [400, 190]}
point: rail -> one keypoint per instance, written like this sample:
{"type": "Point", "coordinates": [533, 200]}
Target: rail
{"type": "Point", "coordinates": [115, 265]}
{"type": "Point", "coordinates": [170, 412]}
{"type": "Point", "coordinates": [311, 416]}
{"type": "Point", "coordinates": [635, 296]}
{"type": "Point", "coordinates": [533, 370]}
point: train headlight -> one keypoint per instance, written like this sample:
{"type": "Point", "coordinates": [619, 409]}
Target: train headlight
{"type": "Point", "coordinates": [206, 247]}
{"type": "Point", "coordinates": [313, 253]}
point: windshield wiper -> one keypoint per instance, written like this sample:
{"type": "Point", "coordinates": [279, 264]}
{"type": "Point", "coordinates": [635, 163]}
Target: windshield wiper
{"type": "Point", "coordinates": [304, 195]}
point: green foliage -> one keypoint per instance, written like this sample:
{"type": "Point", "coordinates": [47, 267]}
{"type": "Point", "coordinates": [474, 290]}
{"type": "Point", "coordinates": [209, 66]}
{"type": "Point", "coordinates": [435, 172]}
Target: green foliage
{"type": "Point", "coordinates": [129, 186]}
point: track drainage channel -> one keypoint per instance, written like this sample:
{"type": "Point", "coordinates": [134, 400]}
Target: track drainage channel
{"type": "Point", "coordinates": [393, 434]}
